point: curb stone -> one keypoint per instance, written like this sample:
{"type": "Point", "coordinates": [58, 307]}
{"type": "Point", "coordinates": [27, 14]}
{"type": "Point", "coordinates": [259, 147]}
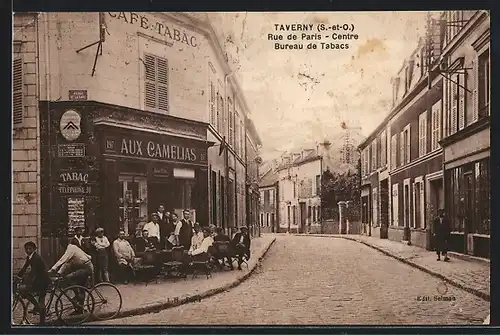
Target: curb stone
{"type": "Point", "coordinates": [471, 290]}
{"type": "Point", "coordinates": [159, 306]}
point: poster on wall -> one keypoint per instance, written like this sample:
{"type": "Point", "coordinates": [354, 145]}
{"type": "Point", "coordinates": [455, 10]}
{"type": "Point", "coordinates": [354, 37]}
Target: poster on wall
{"type": "Point", "coordinates": [76, 214]}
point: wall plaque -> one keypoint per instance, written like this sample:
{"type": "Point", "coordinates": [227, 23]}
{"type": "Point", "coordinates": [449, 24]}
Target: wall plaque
{"type": "Point", "coordinates": [77, 95]}
{"type": "Point", "coordinates": [71, 150]}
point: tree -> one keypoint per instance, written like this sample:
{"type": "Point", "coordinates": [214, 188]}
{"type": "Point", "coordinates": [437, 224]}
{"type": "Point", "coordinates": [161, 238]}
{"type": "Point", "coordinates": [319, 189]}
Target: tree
{"type": "Point", "coordinates": [337, 187]}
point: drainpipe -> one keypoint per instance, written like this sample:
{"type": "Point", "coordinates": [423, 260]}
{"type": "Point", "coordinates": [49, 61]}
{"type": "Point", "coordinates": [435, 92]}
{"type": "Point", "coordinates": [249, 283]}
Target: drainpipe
{"type": "Point", "coordinates": [226, 155]}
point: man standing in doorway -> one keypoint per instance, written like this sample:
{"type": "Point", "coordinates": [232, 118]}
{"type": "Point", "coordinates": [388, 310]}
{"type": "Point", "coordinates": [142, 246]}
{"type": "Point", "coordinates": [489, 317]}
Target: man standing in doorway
{"type": "Point", "coordinates": [441, 232]}
{"type": "Point", "coordinates": [184, 230]}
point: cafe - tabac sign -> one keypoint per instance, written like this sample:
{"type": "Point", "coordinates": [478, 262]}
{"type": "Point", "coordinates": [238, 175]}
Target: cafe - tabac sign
{"type": "Point", "coordinates": [165, 148]}
{"type": "Point", "coordinates": [151, 23]}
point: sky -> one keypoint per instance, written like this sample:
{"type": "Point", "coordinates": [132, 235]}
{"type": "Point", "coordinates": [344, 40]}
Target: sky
{"type": "Point", "coordinates": [298, 98]}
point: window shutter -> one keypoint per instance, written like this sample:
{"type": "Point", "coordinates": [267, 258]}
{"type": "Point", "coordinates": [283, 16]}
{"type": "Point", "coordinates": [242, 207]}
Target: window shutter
{"type": "Point", "coordinates": [422, 206]}
{"type": "Point", "coordinates": [445, 107]}
{"type": "Point", "coordinates": [162, 84]}
{"type": "Point", "coordinates": [454, 100]}
{"type": "Point", "coordinates": [475, 81]}
{"type": "Point", "coordinates": [413, 223]}
{"type": "Point", "coordinates": [150, 81]}
{"type": "Point", "coordinates": [395, 205]}
{"type": "Point", "coordinates": [17, 92]}
{"type": "Point", "coordinates": [402, 149]}
{"type": "Point", "coordinates": [408, 145]}
{"type": "Point", "coordinates": [461, 102]}
{"type": "Point", "coordinates": [212, 103]}
{"type": "Point", "coordinates": [394, 145]}
{"type": "Point", "coordinates": [422, 149]}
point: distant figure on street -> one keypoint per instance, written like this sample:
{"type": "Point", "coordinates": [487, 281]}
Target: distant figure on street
{"type": "Point", "coordinates": [241, 245]}
{"type": "Point", "coordinates": [101, 245]}
{"type": "Point", "coordinates": [441, 232]}
{"type": "Point", "coordinates": [184, 230]}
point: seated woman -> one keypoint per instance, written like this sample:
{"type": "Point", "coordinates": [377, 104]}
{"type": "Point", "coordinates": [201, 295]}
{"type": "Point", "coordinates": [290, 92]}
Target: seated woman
{"type": "Point", "coordinates": [197, 238]}
{"type": "Point", "coordinates": [205, 244]}
{"type": "Point", "coordinates": [145, 243]}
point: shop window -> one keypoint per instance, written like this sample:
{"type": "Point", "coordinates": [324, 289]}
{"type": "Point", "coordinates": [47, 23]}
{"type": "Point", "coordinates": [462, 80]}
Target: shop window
{"type": "Point", "coordinates": [132, 202]}
{"type": "Point", "coordinates": [156, 83]}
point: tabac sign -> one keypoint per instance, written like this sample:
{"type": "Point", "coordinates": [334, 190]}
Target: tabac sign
{"type": "Point", "coordinates": [164, 148]}
{"type": "Point", "coordinates": [70, 125]}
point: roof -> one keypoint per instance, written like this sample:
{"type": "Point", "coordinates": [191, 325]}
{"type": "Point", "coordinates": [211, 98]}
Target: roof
{"type": "Point", "coordinates": [269, 179]}
{"type": "Point", "coordinates": [312, 156]}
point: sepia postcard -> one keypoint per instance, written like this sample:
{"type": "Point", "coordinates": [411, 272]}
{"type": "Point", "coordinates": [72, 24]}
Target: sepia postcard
{"type": "Point", "coordinates": [251, 168]}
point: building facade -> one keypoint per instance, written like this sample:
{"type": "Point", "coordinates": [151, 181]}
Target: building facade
{"type": "Point", "coordinates": [466, 130]}
{"type": "Point", "coordinates": [269, 199]}
{"type": "Point", "coordinates": [129, 110]}
{"type": "Point", "coordinates": [432, 150]}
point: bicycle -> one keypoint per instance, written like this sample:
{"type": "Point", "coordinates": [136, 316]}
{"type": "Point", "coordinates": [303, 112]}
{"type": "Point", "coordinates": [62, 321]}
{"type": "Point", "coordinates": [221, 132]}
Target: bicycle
{"type": "Point", "coordinates": [19, 309]}
{"type": "Point", "coordinates": [68, 308]}
{"type": "Point", "coordinates": [103, 300]}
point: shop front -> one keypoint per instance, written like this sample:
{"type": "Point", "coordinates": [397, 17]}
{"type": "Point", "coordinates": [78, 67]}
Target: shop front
{"type": "Point", "coordinates": [467, 178]}
{"type": "Point", "coordinates": [111, 167]}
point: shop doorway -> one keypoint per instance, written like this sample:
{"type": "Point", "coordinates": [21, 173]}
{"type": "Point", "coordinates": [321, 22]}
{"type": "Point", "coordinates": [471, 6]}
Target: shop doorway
{"type": "Point", "coordinates": [132, 202]}
{"type": "Point", "coordinates": [469, 211]}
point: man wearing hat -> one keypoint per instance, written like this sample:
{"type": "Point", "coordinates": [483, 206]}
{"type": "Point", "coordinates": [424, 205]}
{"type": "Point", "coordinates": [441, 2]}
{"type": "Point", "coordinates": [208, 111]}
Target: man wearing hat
{"type": "Point", "coordinates": [153, 228]}
{"type": "Point", "coordinates": [241, 245]}
{"type": "Point", "coordinates": [101, 245]}
{"type": "Point", "coordinates": [144, 243]}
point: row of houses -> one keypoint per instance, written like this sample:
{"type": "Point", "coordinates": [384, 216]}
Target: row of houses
{"type": "Point", "coordinates": [290, 188]}
{"type": "Point", "coordinates": [433, 149]}
{"type": "Point", "coordinates": [116, 113]}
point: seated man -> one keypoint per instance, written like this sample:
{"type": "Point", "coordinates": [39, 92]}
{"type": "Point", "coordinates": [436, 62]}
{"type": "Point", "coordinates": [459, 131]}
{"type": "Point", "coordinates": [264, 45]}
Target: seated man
{"type": "Point", "coordinates": [125, 256]}
{"type": "Point", "coordinates": [37, 280]}
{"type": "Point", "coordinates": [241, 245]}
{"type": "Point", "coordinates": [145, 243]}
{"type": "Point", "coordinates": [77, 267]}
{"type": "Point", "coordinates": [221, 236]}
{"type": "Point", "coordinates": [197, 238]}
{"type": "Point", "coordinates": [205, 244]}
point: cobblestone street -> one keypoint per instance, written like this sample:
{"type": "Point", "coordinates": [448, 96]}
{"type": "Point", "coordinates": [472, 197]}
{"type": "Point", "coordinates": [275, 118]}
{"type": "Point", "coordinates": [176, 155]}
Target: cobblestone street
{"type": "Point", "coordinates": [311, 280]}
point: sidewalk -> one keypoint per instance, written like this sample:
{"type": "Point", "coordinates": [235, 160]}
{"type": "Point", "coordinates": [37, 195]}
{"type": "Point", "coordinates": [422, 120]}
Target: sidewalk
{"type": "Point", "coordinates": [471, 276]}
{"type": "Point", "coordinates": [153, 297]}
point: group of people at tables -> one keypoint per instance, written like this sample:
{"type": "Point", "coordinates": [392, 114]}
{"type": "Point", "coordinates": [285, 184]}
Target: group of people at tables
{"type": "Point", "coordinates": [195, 241]}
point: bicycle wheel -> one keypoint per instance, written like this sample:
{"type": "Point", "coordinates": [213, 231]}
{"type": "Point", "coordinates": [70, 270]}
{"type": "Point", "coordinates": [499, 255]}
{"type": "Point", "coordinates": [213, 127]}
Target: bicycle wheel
{"type": "Point", "coordinates": [19, 311]}
{"type": "Point", "coordinates": [74, 305]}
{"type": "Point", "coordinates": [107, 301]}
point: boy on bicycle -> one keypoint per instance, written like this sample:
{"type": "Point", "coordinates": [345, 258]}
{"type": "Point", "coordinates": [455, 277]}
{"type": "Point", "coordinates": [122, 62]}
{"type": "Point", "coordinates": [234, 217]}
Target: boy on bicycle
{"type": "Point", "coordinates": [36, 281]}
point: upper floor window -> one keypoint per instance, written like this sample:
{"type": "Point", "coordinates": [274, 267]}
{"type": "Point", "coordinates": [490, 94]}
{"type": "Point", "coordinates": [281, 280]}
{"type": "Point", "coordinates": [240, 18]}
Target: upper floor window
{"type": "Point", "coordinates": [156, 83]}
{"type": "Point", "coordinates": [422, 134]}
{"type": "Point", "coordinates": [318, 184]}
{"type": "Point", "coordinates": [484, 84]}
{"type": "Point", "coordinates": [436, 126]}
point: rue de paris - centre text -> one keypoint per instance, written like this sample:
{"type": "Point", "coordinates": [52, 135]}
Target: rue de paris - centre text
{"type": "Point", "coordinates": [319, 36]}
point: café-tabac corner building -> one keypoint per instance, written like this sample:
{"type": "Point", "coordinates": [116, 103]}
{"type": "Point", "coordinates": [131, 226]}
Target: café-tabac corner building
{"type": "Point", "coordinates": [149, 114]}
{"type": "Point", "coordinates": [110, 166]}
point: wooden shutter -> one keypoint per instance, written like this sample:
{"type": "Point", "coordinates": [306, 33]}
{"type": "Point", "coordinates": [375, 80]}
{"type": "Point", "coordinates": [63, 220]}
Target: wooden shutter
{"type": "Point", "coordinates": [212, 103]}
{"type": "Point", "coordinates": [475, 82]}
{"type": "Point", "coordinates": [395, 205]}
{"type": "Point", "coordinates": [461, 101]}
{"type": "Point", "coordinates": [162, 83]}
{"type": "Point", "coordinates": [394, 148]}
{"type": "Point", "coordinates": [17, 92]}
{"type": "Point", "coordinates": [445, 107]}
{"type": "Point", "coordinates": [408, 157]}
{"type": "Point", "coordinates": [454, 110]}
{"type": "Point", "coordinates": [422, 134]}
{"type": "Point", "coordinates": [422, 205]}
{"type": "Point", "coordinates": [402, 148]}
{"type": "Point", "coordinates": [150, 82]}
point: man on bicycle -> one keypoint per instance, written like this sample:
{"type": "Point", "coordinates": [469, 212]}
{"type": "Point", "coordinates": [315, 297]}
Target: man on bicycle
{"type": "Point", "coordinates": [76, 267]}
{"type": "Point", "coordinates": [36, 281]}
